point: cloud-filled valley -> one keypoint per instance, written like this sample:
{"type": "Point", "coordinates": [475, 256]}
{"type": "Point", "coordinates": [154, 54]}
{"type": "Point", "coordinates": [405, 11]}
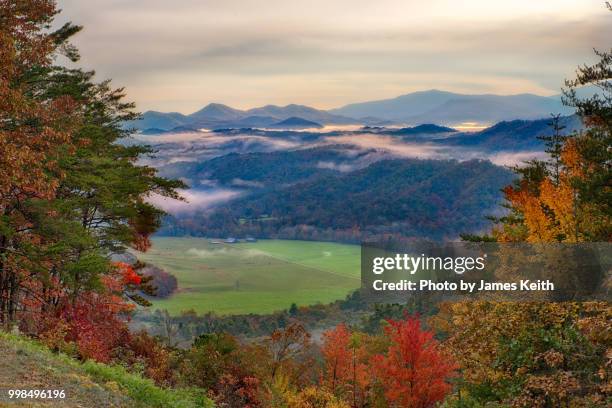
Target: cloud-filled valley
{"type": "Point", "coordinates": [339, 182]}
{"type": "Point", "coordinates": [231, 165]}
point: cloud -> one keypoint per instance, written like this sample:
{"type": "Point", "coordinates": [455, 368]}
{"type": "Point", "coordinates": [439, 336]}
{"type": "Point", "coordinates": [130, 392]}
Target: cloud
{"type": "Point", "coordinates": [175, 148]}
{"type": "Point", "coordinates": [515, 158]}
{"type": "Point", "coordinates": [246, 183]}
{"type": "Point", "coordinates": [180, 55]}
{"type": "Point", "coordinates": [181, 159]}
{"type": "Point", "coordinates": [341, 167]}
{"type": "Point", "coordinates": [166, 138]}
{"type": "Point", "coordinates": [209, 140]}
{"type": "Point", "coordinates": [392, 145]}
{"type": "Point", "coordinates": [195, 200]}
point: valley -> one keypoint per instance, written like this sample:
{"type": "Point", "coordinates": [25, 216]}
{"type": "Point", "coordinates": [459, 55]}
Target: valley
{"type": "Point", "coordinates": [311, 195]}
{"type": "Point", "coordinates": [259, 277]}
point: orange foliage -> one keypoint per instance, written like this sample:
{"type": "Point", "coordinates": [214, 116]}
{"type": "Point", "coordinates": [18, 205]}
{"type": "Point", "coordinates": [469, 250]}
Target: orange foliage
{"type": "Point", "coordinates": [345, 372]}
{"type": "Point", "coordinates": [130, 277]}
{"type": "Point", "coordinates": [540, 228]}
{"type": "Point", "coordinates": [415, 371]}
{"type": "Point", "coordinates": [570, 156]}
{"type": "Point", "coordinates": [550, 211]}
{"type": "Point", "coordinates": [28, 152]}
{"type": "Point", "coordinates": [560, 199]}
{"type": "Point", "coordinates": [33, 136]}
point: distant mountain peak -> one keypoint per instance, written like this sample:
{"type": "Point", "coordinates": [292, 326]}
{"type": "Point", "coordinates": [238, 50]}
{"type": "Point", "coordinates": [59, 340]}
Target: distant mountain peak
{"type": "Point", "coordinates": [215, 112]}
{"type": "Point", "coordinates": [216, 107]}
{"type": "Point", "coordinates": [448, 108]}
{"type": "Point", "coordinates": [297, 122]}
{"type": "Point", "coordinates": [424, 129]}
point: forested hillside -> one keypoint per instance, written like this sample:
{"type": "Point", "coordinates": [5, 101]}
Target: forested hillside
{"type": "Point", "coordinates": [268, 170]}
{"type": "Point", "coordinates": [516, 134]}
{"type": "Point", "coordinates": [410, 197]}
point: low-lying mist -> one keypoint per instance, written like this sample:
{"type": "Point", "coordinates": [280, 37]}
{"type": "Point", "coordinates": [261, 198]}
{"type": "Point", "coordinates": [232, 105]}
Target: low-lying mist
{"type": "Point", "coordinates": [194, 200]}
{"type": "Point", "coordinates": [358, 150]}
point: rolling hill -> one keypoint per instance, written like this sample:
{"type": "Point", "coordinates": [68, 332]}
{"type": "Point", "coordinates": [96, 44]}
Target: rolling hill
{"type": "Point", "coordinates": [265, 169]}
{"type": "Point", "coordinates": [422, 130]}
{"type": "Point", "coordinates": [512, 135]}
{"type": "Point", "coordinates": [344, 185]}
{"type": "Point", "coordinates": [296, 123]}
{"type": "Point", "coordinates": [412, 197]}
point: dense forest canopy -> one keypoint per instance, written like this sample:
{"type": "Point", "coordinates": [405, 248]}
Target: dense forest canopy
{"type": "Point", "coordinates": [408, 197]}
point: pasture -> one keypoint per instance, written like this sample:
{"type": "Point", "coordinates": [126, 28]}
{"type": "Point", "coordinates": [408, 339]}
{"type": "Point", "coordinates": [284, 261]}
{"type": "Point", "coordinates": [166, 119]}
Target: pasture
{"type": "Point", "coordinates": [259, 277]}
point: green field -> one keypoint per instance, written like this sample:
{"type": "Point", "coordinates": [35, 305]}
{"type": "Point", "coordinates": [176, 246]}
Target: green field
{"type": "Point", "coordinates": [259, 277]}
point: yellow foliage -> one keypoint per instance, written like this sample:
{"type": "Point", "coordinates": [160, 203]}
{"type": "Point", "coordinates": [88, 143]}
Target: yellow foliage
{"type": "Point", "coordinates": [549, 214]}
{"type": "Point", "coordinates": [560, 199]}
{"type": "Point", "coordinates": [313, 397]}
{"type": "Point", "coordinates": [475, 326]}
{"type": "Point", "coordinates": [570, 156]}
{"type": "Point", "coordinates": [551, 210]}
{"type": "Point", "coordinates": [480, 333]}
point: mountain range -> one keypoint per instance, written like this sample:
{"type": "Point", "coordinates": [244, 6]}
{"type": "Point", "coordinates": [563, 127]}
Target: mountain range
{"type": "Point", "coordinates": [215, 115]}
{"type": "Point", "coordinates": [450, 108]}
{"type": "Point", "coordinates": [433, 106]}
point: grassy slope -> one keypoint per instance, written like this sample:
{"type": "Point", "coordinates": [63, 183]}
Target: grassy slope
{"type": "Point", "coordinates": [25, 364]}
{"type": "Point", "coordinates": [259, 277]}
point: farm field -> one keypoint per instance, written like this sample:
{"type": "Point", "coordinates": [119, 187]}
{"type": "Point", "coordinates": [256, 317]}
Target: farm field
{"type": "Point", "coordinates": [259, 277]}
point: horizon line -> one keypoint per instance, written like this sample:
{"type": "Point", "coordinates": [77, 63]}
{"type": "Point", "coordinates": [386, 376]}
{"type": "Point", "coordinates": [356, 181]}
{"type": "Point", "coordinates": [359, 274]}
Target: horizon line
{"type": "Point", "coordinates": [353, 103]}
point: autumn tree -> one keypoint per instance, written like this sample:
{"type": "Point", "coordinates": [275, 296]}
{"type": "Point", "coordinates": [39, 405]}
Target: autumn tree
{"type": "Point", "coordinates": [286, 347]}
{"type": "Point", "coordinates": [537, 354]}
{"type": "Point", "coordinates": [529, 354]}
{"type": "Point", "coordinates": [218, 363]}
{"type": "Point", "coordinates": [345, 370]}
{"type": "Point", "coordinates": [415, 372]}
{"type": "Point", "coordinates": [71, 193]}
{"type": "Point", "coordinates": [34, 132]}
{"type": "Point", "coordinates": [568, 198]}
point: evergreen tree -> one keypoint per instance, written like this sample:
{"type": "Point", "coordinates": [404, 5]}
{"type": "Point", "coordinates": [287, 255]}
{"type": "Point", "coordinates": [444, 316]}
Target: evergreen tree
{"type": "Point", "coordinates": [71, 193]}
{"type": "Point", "coordinates": [567, 198]}
{"type": "Point", "coordinates": [554, 145]}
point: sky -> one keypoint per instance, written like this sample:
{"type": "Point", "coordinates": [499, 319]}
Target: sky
{"type": "Point", "coordinates": [180, 55]}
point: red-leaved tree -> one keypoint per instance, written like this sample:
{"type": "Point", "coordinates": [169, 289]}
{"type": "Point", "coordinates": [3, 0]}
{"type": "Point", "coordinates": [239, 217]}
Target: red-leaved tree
{"type": "Point", "coordinates": [415, 372]}
{"type": "Point", "coordinates": [95, 321]}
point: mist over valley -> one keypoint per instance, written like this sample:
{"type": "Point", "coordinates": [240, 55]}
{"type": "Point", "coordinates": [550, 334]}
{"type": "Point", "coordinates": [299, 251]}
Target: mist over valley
{"type": "Point", "coordinates": [268, 173]}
